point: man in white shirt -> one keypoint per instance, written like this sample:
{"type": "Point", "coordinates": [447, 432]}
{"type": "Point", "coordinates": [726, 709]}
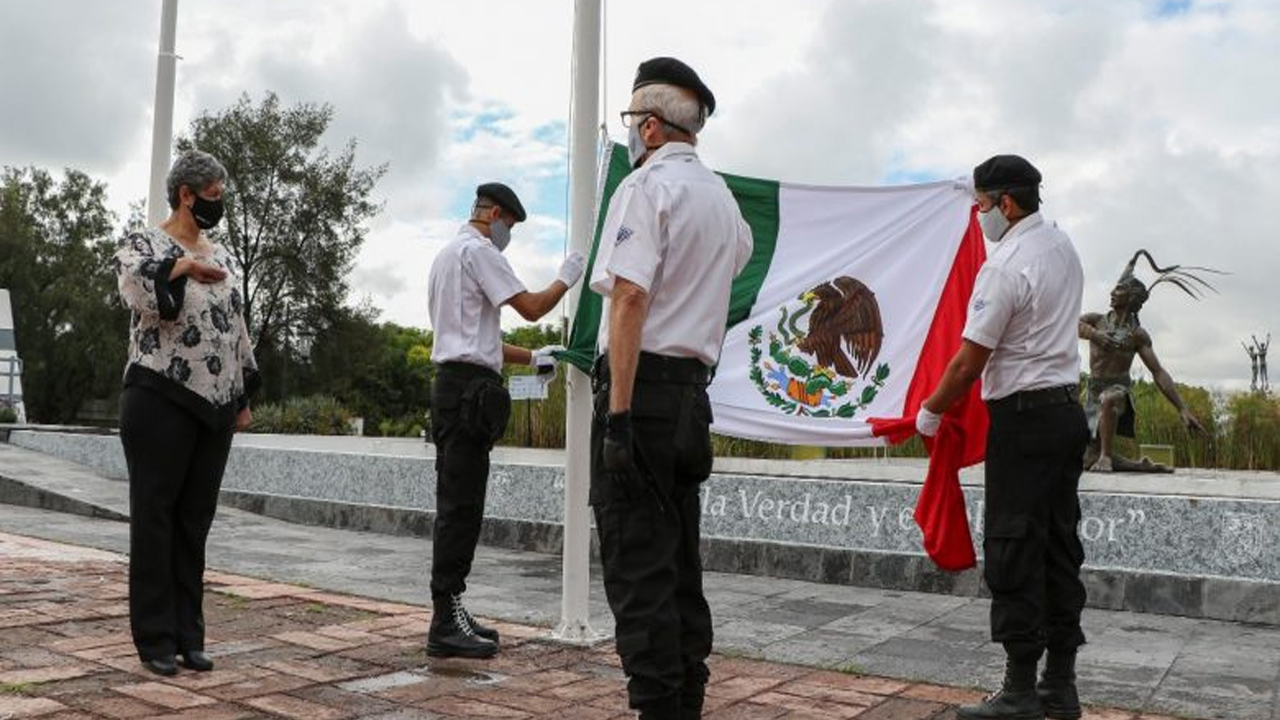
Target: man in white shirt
{"type": "Point", "coordinates": [470, 282]}
{"type": "Point", "coordinates": [1021, 339]}
{"type": "Point", "coordinates": [672, 242]}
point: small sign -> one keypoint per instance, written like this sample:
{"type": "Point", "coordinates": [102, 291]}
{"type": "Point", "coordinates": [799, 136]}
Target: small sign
{"type": "Point", "coordinates": [527, 387]}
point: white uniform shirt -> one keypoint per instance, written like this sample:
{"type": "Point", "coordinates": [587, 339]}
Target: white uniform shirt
{"type": "Point", "coordinates": [470, 280]}
{"type": "Point", "coordinates": [1026, 308]}
{"type": "Point", "coordinates": [674, 229]}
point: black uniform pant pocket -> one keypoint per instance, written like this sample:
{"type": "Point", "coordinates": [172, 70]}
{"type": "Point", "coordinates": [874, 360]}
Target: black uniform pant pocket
{"type": "Point", "coordinates": [485, 408]}
{"type": "Point", "coordinates": [175, 472]}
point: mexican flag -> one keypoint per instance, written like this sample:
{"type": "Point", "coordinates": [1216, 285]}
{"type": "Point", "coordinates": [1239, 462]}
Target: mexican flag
{"type": "Point", "coordinates": [849, 309]}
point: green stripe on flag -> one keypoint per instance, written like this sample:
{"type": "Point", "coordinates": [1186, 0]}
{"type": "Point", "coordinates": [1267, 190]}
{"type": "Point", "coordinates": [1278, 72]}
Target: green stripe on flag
{"type": "Point", "coordinates": [581, 351]}
{"type": "Point", "coordinates": [758, 202]}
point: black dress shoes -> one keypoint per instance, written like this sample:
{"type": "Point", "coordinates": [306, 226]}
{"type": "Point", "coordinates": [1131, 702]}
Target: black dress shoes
{"type": "Point", "coordinates": [197, 660]}
{"type": "Point", "coordinates": [163, 665]}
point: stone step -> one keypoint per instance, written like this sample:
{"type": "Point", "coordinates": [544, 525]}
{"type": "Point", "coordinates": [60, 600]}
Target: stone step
{"type": "Point", "coordinates": [36, 480]}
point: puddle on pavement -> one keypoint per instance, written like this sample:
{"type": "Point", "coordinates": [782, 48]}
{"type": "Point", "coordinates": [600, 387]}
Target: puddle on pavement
{"type": "Point", "coordinates": [458, 672]}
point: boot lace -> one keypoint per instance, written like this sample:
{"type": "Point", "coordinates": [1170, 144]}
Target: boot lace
{"type": "Point", "coordinates": [461, 617]}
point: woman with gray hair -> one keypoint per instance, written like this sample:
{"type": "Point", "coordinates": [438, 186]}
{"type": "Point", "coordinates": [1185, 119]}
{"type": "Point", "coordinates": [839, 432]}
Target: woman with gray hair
{"type": "Point", "coordinates": [186, 392]}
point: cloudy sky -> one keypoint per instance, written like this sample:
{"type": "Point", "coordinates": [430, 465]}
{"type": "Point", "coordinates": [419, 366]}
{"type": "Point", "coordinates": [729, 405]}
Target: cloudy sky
{"type": "Point", "coordinates": [1150, 119]}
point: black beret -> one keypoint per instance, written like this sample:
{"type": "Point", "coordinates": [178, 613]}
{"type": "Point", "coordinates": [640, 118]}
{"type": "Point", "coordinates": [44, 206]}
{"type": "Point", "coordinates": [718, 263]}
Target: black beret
{"type": "Point", "coordinates": [504, 196]}
{"type": "Point", "coordinates": [1005, 171]}
{"type": "Point", "coordinates": [670, 71]}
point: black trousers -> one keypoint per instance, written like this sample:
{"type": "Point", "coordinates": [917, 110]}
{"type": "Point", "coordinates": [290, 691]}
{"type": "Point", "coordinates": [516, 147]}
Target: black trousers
{"type": "Point", "coordinates": [1031, 548]}
{"type": "Point", "coordinates": [175, 471]}
{"type": "Point", "coordinates": [650, 530]}
{"type": "Point", "coordinates": [469, 412]}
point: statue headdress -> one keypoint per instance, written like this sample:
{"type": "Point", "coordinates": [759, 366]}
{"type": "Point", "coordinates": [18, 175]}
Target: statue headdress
{"type": "Point", "coordinates": [1183, 277]}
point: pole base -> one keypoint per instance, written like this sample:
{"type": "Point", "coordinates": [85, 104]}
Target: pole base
{"type": "Point", "coordinates": [576, 632]}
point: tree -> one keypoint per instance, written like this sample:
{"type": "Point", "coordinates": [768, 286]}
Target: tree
{"type": "Point", "coordinates": [294, 221]}
{"type": "Point", "coordinates": [72, 331]}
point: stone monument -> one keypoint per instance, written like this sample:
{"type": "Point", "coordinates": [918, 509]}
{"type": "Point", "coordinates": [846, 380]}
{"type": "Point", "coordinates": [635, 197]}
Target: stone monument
{"type": "Point", "coordinates": [1114, 339]}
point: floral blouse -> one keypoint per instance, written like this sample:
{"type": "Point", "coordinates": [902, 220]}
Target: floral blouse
{"type": "Point", "coordinates": [188, 339]}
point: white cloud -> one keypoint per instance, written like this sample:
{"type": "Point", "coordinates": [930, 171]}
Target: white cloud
{"type": "Point", "coordinates": [1153, 128]}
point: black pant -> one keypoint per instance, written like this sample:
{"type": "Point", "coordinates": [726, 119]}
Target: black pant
{"type": "Point", "coordinates": [1031, 548]}
{"type": "Point", "coordinates": [649, 529]}
{"type": "Point", "coordinates": [175, 471]}
{"type": "Point", "coordinates": [469, 412]}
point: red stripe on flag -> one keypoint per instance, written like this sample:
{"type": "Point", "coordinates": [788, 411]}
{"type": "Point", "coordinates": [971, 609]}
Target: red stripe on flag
{"type": "Point", "coordinates": [961, 441]}
{"type": "Point", "coordinates": [944, 339]}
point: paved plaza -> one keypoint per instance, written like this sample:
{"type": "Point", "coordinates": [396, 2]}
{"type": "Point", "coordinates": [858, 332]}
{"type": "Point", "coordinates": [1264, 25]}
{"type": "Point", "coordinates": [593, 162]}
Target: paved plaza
{"type": "Point", "coordinates": [314, 622]}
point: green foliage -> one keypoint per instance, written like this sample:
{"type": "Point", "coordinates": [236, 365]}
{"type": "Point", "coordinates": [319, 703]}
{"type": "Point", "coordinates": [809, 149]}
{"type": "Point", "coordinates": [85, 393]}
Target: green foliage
{"type": "Point", "coordinates": [294, 223]}
{"type": "Point", "coordinates": [1252, 441]}
{"type": "Point", "coordinates": [8, 415]}
{"type": "Point", "coordinates": [312, 415]}
{"type": "Point", "coordinates": [71, 329]}
{"type": "Point", "coordinates": [534, 336]}
{"type": "Point", "coordinates": [382, 372]}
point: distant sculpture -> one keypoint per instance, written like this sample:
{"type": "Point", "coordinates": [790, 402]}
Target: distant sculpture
{"type": "Point", "coordinates": [1253, 363]}
{"type": "Point", "coordinates": [1114, 339]}
{"type": "Point", "coordinates": [1261, 348]}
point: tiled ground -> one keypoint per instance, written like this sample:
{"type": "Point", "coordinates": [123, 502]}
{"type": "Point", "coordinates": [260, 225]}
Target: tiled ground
{"type": "Point", "coordinates": [293, 652]}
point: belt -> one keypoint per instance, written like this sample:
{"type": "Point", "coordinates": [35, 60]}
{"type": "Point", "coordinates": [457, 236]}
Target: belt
{"type": "Point", "coordinates": [657, 368]}
{"type": "Point", "coordinates": [465, 371]}
{"type": "Point", "coordinates": [1032, 399]}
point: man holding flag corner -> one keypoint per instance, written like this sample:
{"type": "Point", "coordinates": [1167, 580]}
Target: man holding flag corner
{"type": "Point", "coordinates": [1020, 338]}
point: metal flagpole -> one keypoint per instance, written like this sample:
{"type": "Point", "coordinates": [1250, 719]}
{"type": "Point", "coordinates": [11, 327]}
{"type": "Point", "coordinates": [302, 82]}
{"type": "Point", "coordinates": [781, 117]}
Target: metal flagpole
{"type": "Point", "coordinates": [584, 117]}
{"type": "Point", "coordinates": [162, 127]}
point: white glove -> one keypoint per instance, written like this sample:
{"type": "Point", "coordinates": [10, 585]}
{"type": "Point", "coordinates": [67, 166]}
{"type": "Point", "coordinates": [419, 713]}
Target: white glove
{"type": "Point", "coordinates": [927, 423]}
{"type": "Point", "coordinates": [571, 269]}
{"type": "Point", "coordinates": [542, 357]}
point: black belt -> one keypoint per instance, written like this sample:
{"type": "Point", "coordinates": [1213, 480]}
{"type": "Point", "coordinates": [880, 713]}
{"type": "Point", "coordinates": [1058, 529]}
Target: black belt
{"type": "Point", "coordinates": [465, 371]}
{"type": "Point", "coordinates": [1032, 399]}
{"type": "Point", "coordinates": [657, 368]}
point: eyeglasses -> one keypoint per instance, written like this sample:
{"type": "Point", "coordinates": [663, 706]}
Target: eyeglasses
{"type": "Point", "coordinates": [628, 116]}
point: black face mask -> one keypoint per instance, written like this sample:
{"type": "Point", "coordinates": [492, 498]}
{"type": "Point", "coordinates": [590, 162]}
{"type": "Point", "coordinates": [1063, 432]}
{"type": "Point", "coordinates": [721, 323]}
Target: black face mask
{"type": "Point", "coordinates": [206, 213]}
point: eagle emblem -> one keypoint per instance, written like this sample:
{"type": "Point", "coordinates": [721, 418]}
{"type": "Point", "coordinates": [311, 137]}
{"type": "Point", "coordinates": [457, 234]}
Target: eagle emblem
{"type": "Point", "coordinates": [813, 370]}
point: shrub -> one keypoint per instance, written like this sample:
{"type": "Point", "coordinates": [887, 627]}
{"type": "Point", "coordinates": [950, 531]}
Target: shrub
{"type": "Point", "coordinates": [8, 415]}
{"type": "Point", "coordinates": [314, 415]}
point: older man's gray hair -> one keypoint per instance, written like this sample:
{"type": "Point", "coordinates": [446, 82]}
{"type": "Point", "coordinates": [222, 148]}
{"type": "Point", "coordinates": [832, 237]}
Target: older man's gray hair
{"type": "Point", "coordinates": [197, 170]}
{"type": "Point", "coordinates": [671, 103]}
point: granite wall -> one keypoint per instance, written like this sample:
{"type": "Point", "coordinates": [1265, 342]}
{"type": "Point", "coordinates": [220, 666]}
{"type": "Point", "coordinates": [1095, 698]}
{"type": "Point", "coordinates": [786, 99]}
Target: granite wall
{"type": "Point", "coordinates": [1180, 549]}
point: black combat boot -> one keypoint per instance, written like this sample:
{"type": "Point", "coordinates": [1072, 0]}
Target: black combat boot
{"type": "Point", "coordinates": [1015, 700]}
{"type": "Point", "coordinates": [452, 636]}
{"type": "Point", "coordinates": [483, 631]}
{"type": "Point", "coordinates": [1057, 687]}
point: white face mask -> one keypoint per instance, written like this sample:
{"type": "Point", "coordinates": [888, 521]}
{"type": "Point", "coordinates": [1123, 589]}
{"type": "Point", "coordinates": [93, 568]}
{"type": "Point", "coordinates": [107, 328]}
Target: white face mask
{"type": "Point", "coordinates": [636, 148]}
{"type": "Point", "coordinates": [993, 223]}
{"type": "Point", "coordinates": [499, 234]}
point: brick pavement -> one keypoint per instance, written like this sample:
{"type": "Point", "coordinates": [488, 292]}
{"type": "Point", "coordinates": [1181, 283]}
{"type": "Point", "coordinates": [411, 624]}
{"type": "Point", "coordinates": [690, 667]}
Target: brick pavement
{"type": "Point", "coordinates": [287, 651]}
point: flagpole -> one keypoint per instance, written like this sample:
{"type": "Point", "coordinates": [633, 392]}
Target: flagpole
{"type": "Point", "coordinates": [162, 127]}
{"type": "Point", "coordinates": [584, 117]}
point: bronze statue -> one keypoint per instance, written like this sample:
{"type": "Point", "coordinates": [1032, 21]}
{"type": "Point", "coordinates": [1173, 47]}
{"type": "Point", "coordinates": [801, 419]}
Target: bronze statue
{"type": "Point", "coordinates": [1253, 362]}
{"type": "Point", "coordinates": [1114, 339]}
{"type": "Point", "coordinates": [1261, 348]}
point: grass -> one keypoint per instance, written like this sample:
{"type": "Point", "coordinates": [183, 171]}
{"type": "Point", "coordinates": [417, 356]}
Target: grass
{"type": "Point", "coordinates": [16, 688]}
{"type": "Point", "coordinates": [850, 668]}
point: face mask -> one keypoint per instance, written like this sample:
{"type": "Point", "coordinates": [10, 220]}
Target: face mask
{"type": "Point", "coordinates": [636, 148]}
{"type": "Point", "coordinates": [993, 223]}
{"type": "Point", "coordinates": [206, 213]}
{"type": "Point", "coordinates": [499, 234]}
